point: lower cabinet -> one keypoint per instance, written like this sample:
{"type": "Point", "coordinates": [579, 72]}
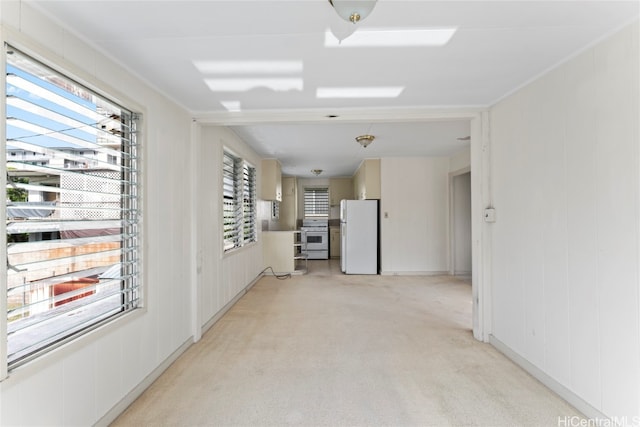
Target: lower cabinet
{"type": "Point", "coordinates": [334, 242]}
{"type": "Point", "coordinates": [281, 252]}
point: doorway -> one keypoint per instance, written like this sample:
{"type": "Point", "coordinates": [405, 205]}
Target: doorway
{"type": "Point", "coordinates": [460, 220]}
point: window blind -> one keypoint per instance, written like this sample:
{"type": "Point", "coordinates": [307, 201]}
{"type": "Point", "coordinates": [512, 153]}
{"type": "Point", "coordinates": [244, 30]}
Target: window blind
{"type": "Point", "coordinates": [316, 202]}
{"type": "Point", "coordinates": [232, 206]}
{"type": "Point", "coordinates": [72, 204]}
{"type": "Point", "coordinates": [239, 202]}
{"type": "Point", "coordinates": [249, 202]}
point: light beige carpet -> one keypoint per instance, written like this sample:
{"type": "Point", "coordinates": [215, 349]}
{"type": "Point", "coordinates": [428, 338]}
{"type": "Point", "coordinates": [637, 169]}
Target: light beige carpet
{"type": "Point", "coordinates": [326, 349]}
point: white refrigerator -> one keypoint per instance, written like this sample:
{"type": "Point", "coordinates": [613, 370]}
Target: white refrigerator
{"type": "Point", "coordinates": [359, 236]}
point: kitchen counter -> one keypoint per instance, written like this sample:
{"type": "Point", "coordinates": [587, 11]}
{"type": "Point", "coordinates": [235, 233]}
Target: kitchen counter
{"type": "Point", "coordinates": [279, 251]}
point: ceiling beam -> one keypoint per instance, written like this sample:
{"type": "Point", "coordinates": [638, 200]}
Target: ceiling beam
{"type": "Point", "coordinates": [374, 115]}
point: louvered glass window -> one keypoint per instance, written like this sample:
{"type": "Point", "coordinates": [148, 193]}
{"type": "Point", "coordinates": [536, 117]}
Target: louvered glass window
{"type": "Point", "coordinates": [239, 202]}
{"type": "Point", "coordinates": [316, 202]}
{"type": "Point", "coordinates": [72, 206]}
{"type": "Point", "coordinates": [249, 202]}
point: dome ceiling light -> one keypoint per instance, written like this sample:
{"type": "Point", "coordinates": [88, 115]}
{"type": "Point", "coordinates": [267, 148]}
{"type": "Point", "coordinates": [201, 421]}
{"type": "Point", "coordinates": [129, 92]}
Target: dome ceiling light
{"type": "Point", "coordinates": [353, 11]}
{"type": "Point", "coordinates": [365, 140]}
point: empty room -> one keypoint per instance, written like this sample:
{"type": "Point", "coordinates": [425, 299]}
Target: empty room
{"type": "Point", "coordinates": [320, 212]}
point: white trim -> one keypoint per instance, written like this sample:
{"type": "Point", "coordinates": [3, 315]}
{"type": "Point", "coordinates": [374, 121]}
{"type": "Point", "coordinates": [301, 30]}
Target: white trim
{"type": "Point", "coordinates": [562, 391]}
{"type": "Point", "coordinates": [636, 107]}
{"type": "Point", "coordinates": [462, 274]}
{"type": "Point", "coordinates": [194, 246]}
{"type": "Point", "coordinates": [371, 115]}
{"type": "Point", "coordinates": [481, 248]}
{"type": "Point", "coordinates": [414, 273]}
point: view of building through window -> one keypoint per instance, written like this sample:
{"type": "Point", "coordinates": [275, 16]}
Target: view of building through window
{"type": "Point", "coordinates": [72, 208]}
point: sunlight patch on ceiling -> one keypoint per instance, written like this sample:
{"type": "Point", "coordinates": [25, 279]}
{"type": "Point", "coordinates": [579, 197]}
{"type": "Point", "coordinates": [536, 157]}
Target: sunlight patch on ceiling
{"type": "Point", "coordinates": [279, 76]}
{"type": "Point", "coordinates": [359, 92]}
{"type": "Point", "coordinates": [246, 84]}
{"type": "Point", "coordinates": [249, 67]}
{"type": "Point", "coordinates": [231, 106]}
{"type": "Point", "coordinates": [381, 37]}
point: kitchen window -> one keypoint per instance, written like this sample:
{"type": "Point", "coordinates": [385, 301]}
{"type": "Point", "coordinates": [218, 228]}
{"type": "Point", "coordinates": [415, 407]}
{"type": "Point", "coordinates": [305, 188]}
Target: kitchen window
{"type": "Point", "coordinates": [72, 221]}
{"type": "Point", "coordinates": [239, 202]}
{"type": "Point", "coordinates": [316, 202]}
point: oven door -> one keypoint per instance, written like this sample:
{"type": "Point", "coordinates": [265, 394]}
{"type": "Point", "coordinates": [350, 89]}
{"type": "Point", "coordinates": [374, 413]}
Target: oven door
{"type": "Point", "coordinates": [317, 241]}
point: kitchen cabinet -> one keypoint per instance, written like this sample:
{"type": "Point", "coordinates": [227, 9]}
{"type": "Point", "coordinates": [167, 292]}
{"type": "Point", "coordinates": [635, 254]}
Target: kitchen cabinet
{"type": "Point", "coordinates": [281, 250]}
{"type": "Point", "coordinates": [278, 251]}
{"type": "Point", "coordinates": [340, 189]}
{"type": "Point", "coordinates": [366, 181]}
{"type": "Point", "coordinates": [289, 204]}
{"type": "Point", "coordinates": [271, 180]}
{"type": "Point", "coordinates": [334, 242]}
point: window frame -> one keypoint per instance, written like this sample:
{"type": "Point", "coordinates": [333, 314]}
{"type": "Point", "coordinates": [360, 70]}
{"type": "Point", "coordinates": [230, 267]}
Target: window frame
{"type": "Point", "coordinates": [103, 91]}
{"type": "Point", "coordinates": [239, 185]}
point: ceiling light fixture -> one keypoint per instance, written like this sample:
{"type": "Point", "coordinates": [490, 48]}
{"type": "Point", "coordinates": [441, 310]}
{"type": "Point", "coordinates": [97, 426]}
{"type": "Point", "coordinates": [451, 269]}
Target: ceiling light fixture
{"type": "Point", "coordinates": [365, 140]}
{"type": "Point", "coordinates": [353, 10]}
{"type": "Point", "coordinates": [316, 172]}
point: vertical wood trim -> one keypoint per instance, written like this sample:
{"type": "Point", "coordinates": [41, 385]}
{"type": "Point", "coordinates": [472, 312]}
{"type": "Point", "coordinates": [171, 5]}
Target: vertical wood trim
{"type": "Point", "coordinates": [480, 231]}
{"type": "Point", "coordinates": [195, 242]}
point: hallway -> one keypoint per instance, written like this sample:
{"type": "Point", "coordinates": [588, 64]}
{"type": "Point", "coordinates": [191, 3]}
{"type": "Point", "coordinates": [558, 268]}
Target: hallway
{"type": "Point", "coordinates": [326, 349]}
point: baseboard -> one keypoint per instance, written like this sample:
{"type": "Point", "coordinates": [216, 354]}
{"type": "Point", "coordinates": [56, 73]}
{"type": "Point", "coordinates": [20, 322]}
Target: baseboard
{"type": "Point", "coordinates": [414, 273]}
{"type": "Point", "coordinates": [462, 273]}
{"type": "Point", "coordinates": [573, 399]}
{"type": "Point", "coordinates": [126, 401]}
{"type": "Point", "coordinates": [230, 304]}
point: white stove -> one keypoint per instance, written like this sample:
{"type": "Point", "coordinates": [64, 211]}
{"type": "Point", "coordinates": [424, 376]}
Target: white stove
{"type": "Point", "coordinates": [315, 238]}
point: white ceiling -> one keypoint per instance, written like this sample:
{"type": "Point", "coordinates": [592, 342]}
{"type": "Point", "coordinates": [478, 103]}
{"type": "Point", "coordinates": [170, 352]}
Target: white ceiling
{"type": "Point", "coordinates": [498, 47]}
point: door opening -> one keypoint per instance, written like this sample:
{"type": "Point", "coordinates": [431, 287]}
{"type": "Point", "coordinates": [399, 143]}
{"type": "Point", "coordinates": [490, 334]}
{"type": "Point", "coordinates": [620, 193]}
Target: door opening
{"type": "Point", "coordinates": [460, 239]}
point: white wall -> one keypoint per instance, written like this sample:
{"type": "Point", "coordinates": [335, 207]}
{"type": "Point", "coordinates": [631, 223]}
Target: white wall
{"type": "Point", "coordinates": [414, 194]}
{"type": "Point", "coordinates": [221, 277]}
{"type": "Point", "coordinates": [566, 174]}
{"type": "Point", "coordinates": [88, 380]}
